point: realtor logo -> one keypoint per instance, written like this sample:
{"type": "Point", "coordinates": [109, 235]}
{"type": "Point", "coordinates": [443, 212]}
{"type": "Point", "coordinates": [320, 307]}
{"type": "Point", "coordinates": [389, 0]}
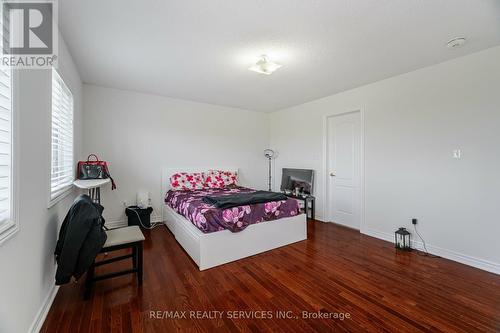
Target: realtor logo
{"type": "Point", "coordinates": [29, 34]}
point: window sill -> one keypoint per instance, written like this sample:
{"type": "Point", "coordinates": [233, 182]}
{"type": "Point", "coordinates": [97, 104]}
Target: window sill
{"type": "Point", "coordinates": [61, 196]}
{"type": "Point", "coordinates": [8, 231]}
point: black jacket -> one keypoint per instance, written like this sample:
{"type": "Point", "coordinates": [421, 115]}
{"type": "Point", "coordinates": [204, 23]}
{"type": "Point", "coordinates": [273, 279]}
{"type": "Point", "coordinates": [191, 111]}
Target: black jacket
{"type": "Point", "coordinates": [80, 239]}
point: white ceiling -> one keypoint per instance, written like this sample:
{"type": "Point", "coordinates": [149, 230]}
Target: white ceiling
{"type": "Point", "coordinates": [200, 50]}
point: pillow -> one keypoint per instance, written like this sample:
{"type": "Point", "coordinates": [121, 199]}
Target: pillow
{"type": "Point", "coordinates": [225, 178]}
{"type": "Point", "coordinates": [229, 177]}
{"type": "Point", "coordinates": [187, 181]}
{"type": "Point", "coordinates": [213, 179]}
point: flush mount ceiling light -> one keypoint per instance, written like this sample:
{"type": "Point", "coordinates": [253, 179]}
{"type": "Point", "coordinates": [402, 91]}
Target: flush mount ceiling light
{"type": "Point", "coordinates": [456, 42]}
{"type": "Point", "coordinates": [264, 66]}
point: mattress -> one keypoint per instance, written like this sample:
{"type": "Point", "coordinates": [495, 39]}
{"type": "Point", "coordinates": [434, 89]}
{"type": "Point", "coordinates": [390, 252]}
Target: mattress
{"type": "Point", "coordinates": [207, 218]}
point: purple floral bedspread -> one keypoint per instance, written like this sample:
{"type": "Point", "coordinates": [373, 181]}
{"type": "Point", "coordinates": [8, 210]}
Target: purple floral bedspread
{"type": "Point", "coordinates": [189, 203]}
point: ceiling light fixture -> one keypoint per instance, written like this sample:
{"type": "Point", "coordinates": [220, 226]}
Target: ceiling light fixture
{"type": "Point", "coordinates": [264, 66]}
{"type": "Point", "coordinates": [456, 42]}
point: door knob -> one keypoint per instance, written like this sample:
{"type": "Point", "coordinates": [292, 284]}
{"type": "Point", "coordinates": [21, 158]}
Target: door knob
{"type": "Point", "coordinates": [332, 174]}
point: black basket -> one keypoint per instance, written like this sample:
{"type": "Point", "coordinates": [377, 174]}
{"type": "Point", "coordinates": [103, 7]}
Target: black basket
{"type": "Point", "coordinates": [139, 216]}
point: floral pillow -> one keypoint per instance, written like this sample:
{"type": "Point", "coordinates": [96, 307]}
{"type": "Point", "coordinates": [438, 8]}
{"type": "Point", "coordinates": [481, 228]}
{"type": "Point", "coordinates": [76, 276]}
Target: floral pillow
{"type": "Point", "coordinates": [220, 178]}
{"type": "Point", "coordinates": [213, 179]}
{"type": "Point", "coordinates": [229, 177]}
{"type": "Point", "coordinates": [187, 181]}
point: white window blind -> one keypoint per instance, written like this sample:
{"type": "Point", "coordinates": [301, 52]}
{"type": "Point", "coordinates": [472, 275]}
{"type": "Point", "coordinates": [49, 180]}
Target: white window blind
{"type": "Point", "coordinates": [62, 174]}
{"type": "Point", "coordinates": [5, 146]}
{"type": "Point", "coordinates": [8, 218]}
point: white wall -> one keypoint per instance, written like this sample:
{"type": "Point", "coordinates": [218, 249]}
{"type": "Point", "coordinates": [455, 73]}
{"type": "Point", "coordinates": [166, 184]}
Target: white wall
{"type": "Point", "coordinates": [139, 134]}
{"type": "Point", "coordinates": [26, 260]}
{"type": "Point", "coordinates": [412, 124]}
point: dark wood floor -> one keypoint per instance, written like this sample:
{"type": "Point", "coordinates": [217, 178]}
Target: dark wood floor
{"type": "Point", "coordinates": [337, 270]}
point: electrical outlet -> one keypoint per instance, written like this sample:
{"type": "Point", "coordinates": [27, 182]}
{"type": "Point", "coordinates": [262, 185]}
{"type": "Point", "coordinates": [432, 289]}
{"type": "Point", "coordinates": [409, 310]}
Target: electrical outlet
{"type": "Point", "coordinates": [414, 221]}
{"type": "Point", "coordinates": [124, 203]}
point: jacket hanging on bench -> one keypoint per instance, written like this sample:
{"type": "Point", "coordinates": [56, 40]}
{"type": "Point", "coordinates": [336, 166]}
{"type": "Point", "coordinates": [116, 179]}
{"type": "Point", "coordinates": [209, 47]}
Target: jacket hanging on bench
{"type": "Point", "coordinates": [80, 239]}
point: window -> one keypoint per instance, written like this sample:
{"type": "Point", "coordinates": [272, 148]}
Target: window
{"type": "Point", "coordinates": [8, 202]}
{"type": "Point", "coordinates": [62, 174]}
{"type": "Point", "coordinates": [7, 219]}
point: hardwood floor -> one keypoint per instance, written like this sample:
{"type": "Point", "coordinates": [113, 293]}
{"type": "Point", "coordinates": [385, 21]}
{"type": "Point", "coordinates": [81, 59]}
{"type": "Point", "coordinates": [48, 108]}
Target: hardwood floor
{"type": "Point", "coordinates": [337, 270]}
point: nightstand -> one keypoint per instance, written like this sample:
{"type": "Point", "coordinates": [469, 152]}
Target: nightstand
{"type": "Point", "coordinates": [306, 200]}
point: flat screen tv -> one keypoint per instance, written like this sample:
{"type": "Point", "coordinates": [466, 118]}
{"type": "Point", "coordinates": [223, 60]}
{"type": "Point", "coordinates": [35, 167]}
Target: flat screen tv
{"type": "Point", "coordinates": [301, 178]}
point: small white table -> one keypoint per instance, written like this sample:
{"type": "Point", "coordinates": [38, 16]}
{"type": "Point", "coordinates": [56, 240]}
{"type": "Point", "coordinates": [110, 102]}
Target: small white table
{"type": "Point", "coordinates": [93, 186]}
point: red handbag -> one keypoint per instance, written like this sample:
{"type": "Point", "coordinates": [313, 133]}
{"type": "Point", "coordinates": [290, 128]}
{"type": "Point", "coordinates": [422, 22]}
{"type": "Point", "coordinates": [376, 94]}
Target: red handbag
{"type": "Point", "coordinates": [94, 169]}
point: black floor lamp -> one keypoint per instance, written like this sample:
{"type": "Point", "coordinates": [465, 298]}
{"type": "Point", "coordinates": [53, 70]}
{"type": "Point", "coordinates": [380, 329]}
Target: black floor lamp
{"type": "Point", "coordinates": [269, 154]}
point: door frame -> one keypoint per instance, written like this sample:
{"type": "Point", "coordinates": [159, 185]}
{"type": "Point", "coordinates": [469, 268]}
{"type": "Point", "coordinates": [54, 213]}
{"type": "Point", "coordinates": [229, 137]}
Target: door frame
{"type": "Point", "coordinates": [362, 166]}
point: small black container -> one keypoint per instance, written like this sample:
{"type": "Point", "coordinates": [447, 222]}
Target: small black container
{"type": "Point", "coordinates": [134, 213]}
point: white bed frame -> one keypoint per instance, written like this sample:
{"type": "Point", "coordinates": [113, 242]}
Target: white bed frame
{"type": "Point", "coordinates": [217, 248]}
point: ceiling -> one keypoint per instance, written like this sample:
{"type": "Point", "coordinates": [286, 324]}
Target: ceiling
{"type": "Point", "coordinates": [200, 50]}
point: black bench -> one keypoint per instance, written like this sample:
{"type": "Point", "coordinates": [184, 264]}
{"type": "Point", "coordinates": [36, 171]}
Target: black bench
{"type": "Point", "coordinates": [119, 239]}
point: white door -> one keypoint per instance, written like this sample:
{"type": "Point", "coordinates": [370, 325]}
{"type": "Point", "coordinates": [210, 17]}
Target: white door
{"type": "Point", "coordinates": [344, 169]}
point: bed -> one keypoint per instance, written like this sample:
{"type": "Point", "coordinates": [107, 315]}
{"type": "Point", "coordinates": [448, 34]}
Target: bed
{"type": "Point", "coordinates": [216, 245]}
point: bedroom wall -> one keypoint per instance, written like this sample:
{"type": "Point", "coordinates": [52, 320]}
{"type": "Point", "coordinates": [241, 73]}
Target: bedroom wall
{"type": "Point", "coordinates": [412, 124]}
{"type": "Point", "coordinates": [26, 259]}
{"type": "Point", "coordinates": [139, 134]}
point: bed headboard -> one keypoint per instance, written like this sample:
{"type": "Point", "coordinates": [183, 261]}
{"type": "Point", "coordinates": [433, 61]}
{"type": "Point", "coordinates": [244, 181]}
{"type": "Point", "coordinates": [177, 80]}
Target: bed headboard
{"type": "Point", "coordinates": [167, 172]}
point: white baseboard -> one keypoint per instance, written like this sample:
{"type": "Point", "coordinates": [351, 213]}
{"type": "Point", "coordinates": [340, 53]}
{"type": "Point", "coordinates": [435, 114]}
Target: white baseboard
{"type": "Point", "coordinates": [36, 326]}
{"type": "Point", "coordinates": [445, 253]}
{"type": "Point", "coordinates": [123, 223]}
{"type": "Point", "coordinates": [116, 224]}
{"type": "Point", "coordinates": [320, 218]}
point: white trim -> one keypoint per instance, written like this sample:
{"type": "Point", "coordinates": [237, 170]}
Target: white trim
{"type": "Point", "coordinates": [362, 165]}
{"type": "Point", "coordinates": [445, 253]}
{"type": "Point", "coordinates": [61, 196]}
{"type": "Point", "coordinates": [9, 229]}
{"type": "Point", "coordinates": [115, 224]}
{"type": "Point", "coordinates": [124, 222]}
{"type": "Point", "coordinates": [320, 218]}
{"type": "Point", "coordinates": [66, 191]}
{"type": "Point", "coordinates": [42, 313]}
